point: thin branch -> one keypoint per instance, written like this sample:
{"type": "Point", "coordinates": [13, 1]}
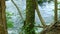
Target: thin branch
{"type": "Point", "coordinates": [17, 9]}
{"type": "Point", "coordinates": [39, 26]}
{"type": "Point", "coordinates": [39, 15]}
{"type": "Point", "coordinates": [48, 28]}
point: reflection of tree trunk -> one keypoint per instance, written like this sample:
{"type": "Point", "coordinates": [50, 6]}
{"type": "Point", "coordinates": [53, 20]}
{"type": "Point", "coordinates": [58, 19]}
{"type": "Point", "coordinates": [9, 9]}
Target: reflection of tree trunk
{"type": "Point", "coordinates": [30, 16]}
{"type": "Point", "coordinates": [39, 15]}
{"type": "Point", "coordinates": [3, 27]}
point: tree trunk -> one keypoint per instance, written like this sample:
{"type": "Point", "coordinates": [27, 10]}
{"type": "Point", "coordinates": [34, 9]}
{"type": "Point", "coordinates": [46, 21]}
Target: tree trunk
{"type": "Point", "coordinates": [55, 12]}
{"type": "Point", "coordinates": [3, 27]}
{"type": "Point", "coordinates": [30, 16]}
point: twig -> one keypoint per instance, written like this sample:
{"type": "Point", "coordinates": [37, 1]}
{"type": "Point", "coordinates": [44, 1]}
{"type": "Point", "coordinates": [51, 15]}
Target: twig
{"type": "Point", "coordinates": [17, 9]}
{"type": "Point", "coordinates": [39, 26]}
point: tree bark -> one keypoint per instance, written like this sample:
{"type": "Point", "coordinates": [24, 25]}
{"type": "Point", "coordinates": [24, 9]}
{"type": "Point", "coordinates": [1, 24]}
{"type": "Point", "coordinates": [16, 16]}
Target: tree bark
{"type": "Point", "coordinates": [3, 25]}
{"type": "Point", "coordinates": [55, 12]}
{"type": "Point", "coordinates": [30, 16]}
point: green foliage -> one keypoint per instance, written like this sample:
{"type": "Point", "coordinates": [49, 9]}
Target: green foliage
{"type": "Point", "coordinates": [9, 24]}
{"type": "Point", "coordinates": [26, 29]}
{"type": "Point", "coordinates": [8, 18]}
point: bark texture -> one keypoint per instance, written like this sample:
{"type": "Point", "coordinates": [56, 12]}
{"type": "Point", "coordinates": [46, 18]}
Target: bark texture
{"type": "Point", "coordinates": [55, 12]}
{"type": "Point", "coordinates": [30, 16]}
{"type": "Point", "coordinates": [3, 27]}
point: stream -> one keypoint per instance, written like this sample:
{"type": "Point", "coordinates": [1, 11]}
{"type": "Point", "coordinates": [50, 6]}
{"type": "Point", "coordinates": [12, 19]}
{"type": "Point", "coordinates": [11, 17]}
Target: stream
{"type": "Point", "coordinates": [46, 9]}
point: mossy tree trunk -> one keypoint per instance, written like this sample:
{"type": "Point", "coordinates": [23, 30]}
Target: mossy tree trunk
{"type": "Point", "coordinates": [30, 16]}
{"type": "Point", "coordinates": [55, 12]}
{"type": "Point", "coordinates": [3, 27]}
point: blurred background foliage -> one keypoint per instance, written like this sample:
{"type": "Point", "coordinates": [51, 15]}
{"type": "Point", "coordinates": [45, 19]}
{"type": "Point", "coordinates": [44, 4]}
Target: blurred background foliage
{"type": "Point", "coordinates": [9, 21]}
